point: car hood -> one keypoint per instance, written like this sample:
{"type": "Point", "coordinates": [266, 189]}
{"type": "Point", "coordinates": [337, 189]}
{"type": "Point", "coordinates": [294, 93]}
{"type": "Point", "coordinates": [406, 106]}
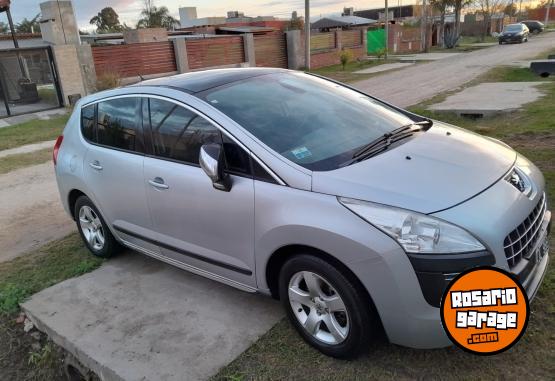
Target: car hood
{"type": "Point", "coordinates": [435, 170]}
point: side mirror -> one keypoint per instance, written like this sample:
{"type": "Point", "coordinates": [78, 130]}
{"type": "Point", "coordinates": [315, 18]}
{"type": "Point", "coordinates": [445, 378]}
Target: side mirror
{"type": "Point", "coordinates": [211, 159]}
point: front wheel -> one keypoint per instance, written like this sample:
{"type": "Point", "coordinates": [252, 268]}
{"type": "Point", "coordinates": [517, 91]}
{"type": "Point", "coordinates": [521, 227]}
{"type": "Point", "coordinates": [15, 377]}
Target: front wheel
{"type": "Point", "coordinates": [93, 229]}
{"type": "Point", "coordinates": [328, 310]}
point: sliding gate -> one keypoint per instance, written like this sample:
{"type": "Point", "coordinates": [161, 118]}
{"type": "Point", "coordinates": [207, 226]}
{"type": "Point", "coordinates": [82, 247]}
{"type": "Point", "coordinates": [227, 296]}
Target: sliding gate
{"type": "Point", "coordinates": [28, 81]}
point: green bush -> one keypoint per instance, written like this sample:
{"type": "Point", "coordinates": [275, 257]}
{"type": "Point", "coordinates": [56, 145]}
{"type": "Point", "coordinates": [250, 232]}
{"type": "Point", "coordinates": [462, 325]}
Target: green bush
{"type": "Point", "coordinates": [108, 80]}
{"type": "Point", "coordinates": [345, 56]}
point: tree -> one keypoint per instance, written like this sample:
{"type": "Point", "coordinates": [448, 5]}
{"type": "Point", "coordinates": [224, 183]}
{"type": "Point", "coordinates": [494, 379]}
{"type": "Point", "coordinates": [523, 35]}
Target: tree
{"type": "Point", "coordinates": [451, 36]}
{"type": "Point", "coordinates": [295, 24]}
{"type": "Point", "coordinates": [156, 17]}
{"type": "Point", "coordinates": [107, 21]}
{"type": "Point", "coordinates": [29, 26]}
{"type": "Point", "coordinates": [488, 8]}
{"type": "Point", "coordinates": [441, 6]}
{"type": "Point", "coordinates": [4, 28]}
{"type": "Point", "coordinates": [510, 10]}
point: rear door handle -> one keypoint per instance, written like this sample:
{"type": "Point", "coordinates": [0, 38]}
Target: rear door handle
{"type": "Point", "coordinates": [96, 165]}
{"type": "Point", "coordinates": [158, 182]}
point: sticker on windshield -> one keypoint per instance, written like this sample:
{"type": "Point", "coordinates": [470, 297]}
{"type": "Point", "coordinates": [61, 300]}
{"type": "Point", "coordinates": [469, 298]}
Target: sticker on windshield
{"type": "Point", "coordinates": [301, 152]}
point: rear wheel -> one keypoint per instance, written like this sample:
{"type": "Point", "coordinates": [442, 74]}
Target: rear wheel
{"type": "Point", "coordinates": [93, 229]}
{"type": "Point", "coordinates": [328, 310]}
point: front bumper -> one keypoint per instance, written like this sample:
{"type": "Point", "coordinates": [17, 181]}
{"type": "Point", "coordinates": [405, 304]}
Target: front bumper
{"type": "Point", "coordinates": [511, 39]}
{"type": "Point", "coordinates": [406, 314]}
{"type": "Point", "coordinates": [408, 317]}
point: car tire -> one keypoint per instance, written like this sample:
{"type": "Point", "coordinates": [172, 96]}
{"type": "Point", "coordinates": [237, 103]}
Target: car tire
{"type": "Point", "coordinates": [331, 299]}
{"type": "Point", "coordinates": [93, 229]}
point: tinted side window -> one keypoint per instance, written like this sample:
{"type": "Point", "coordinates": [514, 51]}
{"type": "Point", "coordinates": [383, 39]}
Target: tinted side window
{"type": "Point", "coordinates": [261, 174]}
{"type": "Point", "coordinates": [178, 133]}
{"type": "Point", "coordinates": [237, 160]}
{"type": "Point", "coordinates": [87, 122]}
{"type": "Point", "coordinates": [119, 125]}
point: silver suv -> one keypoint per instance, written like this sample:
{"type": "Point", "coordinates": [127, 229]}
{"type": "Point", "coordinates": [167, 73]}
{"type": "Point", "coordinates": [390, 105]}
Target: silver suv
{"type": "Point", "coordinates": [356, 214]}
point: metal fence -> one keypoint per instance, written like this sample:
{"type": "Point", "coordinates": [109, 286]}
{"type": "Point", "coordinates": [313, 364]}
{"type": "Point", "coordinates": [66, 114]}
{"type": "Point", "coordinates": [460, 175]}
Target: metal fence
{"type": "Point", "coordinates": [28, 81]}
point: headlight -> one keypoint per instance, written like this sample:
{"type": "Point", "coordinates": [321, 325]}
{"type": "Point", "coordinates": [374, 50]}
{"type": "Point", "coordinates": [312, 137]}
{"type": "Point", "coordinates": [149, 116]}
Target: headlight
{"type": "Point", "coordinates": [415, 232]}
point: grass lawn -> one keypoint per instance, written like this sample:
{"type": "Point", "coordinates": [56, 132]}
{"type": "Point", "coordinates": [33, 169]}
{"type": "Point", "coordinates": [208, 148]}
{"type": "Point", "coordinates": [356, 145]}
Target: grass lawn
{"type": "Point", "coordinates": [13, 162]}
{"type": "Point", "coordinates": [30, 132]}
{"type": "Point", "coordinates": [336, 71]}
{"type": "Point", "coordinates": [281, 354]}
{"type": "Point", "coordinates": [22, 356]}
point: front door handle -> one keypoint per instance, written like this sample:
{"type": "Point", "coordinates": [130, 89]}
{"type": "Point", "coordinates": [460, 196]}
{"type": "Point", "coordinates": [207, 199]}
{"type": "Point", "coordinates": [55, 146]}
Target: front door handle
{"type": "Point", "coordinates": [158, 182]}
{"type": "Point", "coordinates": [96, 165]}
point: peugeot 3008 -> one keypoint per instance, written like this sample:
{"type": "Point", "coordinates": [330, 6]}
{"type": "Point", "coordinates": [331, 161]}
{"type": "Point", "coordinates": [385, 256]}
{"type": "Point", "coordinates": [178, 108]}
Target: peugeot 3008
{"type": "Point", "coordinates": [354, 213]}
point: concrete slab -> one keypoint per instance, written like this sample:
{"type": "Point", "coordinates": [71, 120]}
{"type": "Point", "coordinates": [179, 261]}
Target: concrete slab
{"type": "Point", "coordinates": [384, 67]}
{"type": "Point", "coordinates": [136, 318]}
{"type": "Point", "coordinates": [425, 56]}
{"type": "Point", "coordinates": [490, 98]}
{"type": "Point", "coordinates": [481, 44]}
{"type": "Point", "coordinates": [42, 115]}
{"type": "Point", "coordinates": [520, 64]}
{"type": "Point", "coordinates": [27, 148]}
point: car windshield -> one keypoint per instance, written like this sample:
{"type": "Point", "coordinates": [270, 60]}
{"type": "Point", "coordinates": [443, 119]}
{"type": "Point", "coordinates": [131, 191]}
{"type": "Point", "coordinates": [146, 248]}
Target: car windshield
{"type": "Point", "coordinates": [313, 122]}
{"type": "Point", "coordinates": [513, 28]}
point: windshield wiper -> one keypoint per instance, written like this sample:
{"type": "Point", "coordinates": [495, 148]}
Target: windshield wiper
{"type": "Point", "coordinates": [382, 143]}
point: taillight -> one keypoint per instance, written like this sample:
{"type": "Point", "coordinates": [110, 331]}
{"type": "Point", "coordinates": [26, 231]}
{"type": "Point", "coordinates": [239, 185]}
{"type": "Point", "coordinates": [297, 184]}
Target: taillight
{"type": "Point", "coordinates": [57, 149]}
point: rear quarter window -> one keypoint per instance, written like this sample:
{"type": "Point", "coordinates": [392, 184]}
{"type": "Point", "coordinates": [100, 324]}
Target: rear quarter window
{"type": "Point", "coordinates": [119, 124]}
{"type": "Point", "coordinates": [87, 122]}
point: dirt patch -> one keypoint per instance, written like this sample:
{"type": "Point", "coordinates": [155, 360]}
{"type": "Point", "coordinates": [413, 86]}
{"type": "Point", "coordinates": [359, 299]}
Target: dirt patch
{"type": "Point", "coordinates": [532, 141]}
{"type": "Point", "coordinates": [31, 213]}
{"type": "Point", "coordinates": [27, 356]}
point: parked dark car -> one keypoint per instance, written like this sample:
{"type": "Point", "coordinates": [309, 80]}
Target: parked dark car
{"type": "Point", "coordinates": [514, 33]}
{"type": "Point", "coordinates": [534, 26]}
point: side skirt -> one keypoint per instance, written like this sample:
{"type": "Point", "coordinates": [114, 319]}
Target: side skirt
{"type": "Point", "coordinates": [190, 268]}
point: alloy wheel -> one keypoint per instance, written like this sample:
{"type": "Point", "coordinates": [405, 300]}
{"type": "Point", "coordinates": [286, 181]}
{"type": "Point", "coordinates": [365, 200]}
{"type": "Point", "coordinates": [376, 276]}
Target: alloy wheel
{"type": "Point", "coordinates": [92, 228]}
{"type": "Point", "coordinates": [318, 307]}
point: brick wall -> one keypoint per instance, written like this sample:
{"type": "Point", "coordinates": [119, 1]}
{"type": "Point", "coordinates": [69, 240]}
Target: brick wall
{"type": "Point", "coordinates": [318, 60]}
{"type": "Point", "coordinates": [539, 14]}
{"type": "Point", "coordinates": [405, 39]}
{"type": "Point", "coordinates": [326, 47]}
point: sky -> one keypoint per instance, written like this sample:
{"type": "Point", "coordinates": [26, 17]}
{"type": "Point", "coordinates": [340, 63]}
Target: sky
{"type": "Point", "coordinates": [129, 10]}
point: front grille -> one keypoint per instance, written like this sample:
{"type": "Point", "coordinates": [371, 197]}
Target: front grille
{"type": "Point", "coordinates": [520, 242]}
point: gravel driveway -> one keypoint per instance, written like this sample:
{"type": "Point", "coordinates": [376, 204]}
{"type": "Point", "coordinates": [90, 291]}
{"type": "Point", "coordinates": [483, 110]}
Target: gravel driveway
{"type": "Point", "coordinates": [417, 83]}
{"type": "Point", "coordinates": [30, 211]}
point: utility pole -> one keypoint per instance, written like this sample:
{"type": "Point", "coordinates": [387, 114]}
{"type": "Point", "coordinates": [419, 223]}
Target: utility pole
{"type": "Point", "coordinates": [547, 8]}
{"type": "Point", "coordinates": [424, 26]}
{"type": "Point", "coordinates": [386, 29]}
{"type": "Point", "coordinates": [307, 34]}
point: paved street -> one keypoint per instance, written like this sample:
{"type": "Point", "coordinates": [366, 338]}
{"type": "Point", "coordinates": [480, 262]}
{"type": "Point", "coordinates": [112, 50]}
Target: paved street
{"type": "Point", "coordinates": [420, 82]}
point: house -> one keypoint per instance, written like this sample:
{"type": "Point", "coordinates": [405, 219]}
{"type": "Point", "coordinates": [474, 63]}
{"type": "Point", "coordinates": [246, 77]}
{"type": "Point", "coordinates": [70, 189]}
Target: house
{"type": "Point", "coordinates": [341, 22]}
{"type": "Point", "coordinates": [395, 12]}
